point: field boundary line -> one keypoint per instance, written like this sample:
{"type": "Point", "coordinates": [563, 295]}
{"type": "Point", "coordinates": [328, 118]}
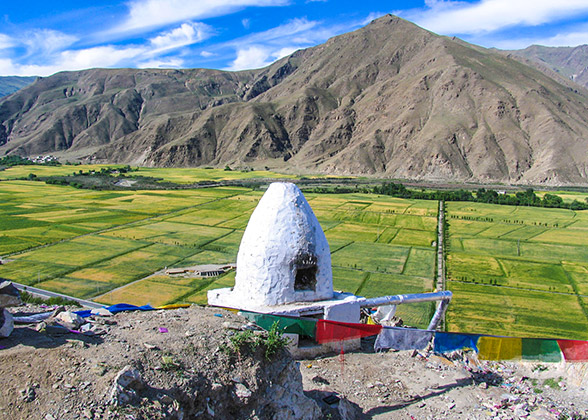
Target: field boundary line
{"type": "Point", "coordinates": [365, 279]}
{"type": "Point", "coordinates": [576, 292]}
{"type": "Point", "coordinates": [341, 247]}
{"type": "Point", "coordinates": [406, 260]}
{"type": "Point", "coordinates": [518, 288]}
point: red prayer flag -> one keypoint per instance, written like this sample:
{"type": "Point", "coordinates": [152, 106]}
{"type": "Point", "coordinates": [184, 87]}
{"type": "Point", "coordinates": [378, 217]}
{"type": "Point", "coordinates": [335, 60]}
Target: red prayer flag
{"type": "Point", "coordinates": [329, 331]}
{"type": "Point", "coordinates": [574, 350]}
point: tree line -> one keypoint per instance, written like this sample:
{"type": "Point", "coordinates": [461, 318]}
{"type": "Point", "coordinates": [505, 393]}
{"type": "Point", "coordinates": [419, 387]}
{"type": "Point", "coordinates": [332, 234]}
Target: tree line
{"type": "Point", "coordinates": [482, 195]}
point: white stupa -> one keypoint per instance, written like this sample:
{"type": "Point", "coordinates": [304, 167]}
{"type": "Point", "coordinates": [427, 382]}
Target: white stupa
{"type": "Point", "coordinates": [284, 268]}
{"type": "Point", "coordinates": [284, 256]}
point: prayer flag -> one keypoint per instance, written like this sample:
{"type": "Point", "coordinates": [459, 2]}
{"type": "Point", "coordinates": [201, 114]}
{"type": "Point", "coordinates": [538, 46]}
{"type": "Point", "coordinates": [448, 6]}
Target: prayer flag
{"type": "Point", "coordinates": [329, 331]}
{"type": "Point", "coordinates": [574, 350]}
{"type": "Point", "coordinates": [499, 348]}
{"type": "Point", "coordinates": [446, 342]}
{"type": "Point", "coordinates": [541, 349]}
{"type": "Point", "coordinates": [402, 339]}
{"type": "Point", "coordinates": [290, 325]}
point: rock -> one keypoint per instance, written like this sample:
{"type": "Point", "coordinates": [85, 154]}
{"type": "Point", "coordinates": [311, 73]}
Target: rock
{"type": "Point", "coordinates": [320, 380]}
{"type": "Point", "coordinates": [126, 384]}
{"type": "Point", "coordinates": [348, 411]}
{"type": "Point", "coordinates": [9, 295]}
{"type": "Point", "coordinates": [542, 414]}
{"type": "Point", "coordinates": [28, 394]}
{"type": "Point", "coordinates": [6, 323]}
{"type": "Point", "coordinates": [69, 320]}
{"type": "Point", "coordinates": [242, 392]}
{"type": "Point", "coordinates": [101, 312]}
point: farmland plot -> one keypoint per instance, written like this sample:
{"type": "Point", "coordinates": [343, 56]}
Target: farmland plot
{"type": "Point", "coordinates": [525, 267]}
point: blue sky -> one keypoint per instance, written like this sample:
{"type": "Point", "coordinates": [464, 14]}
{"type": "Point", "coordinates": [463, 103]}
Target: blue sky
{"type": "Point", "coordinates": [43, 37]}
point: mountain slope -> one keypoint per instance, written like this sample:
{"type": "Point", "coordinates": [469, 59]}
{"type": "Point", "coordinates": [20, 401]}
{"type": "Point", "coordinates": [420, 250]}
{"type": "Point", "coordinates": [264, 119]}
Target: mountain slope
{"type": "Point", "coordinates": [10, 84]}
{"type": "Point", "coordinates": [389, 99]}
{"type": "Point", "coordinates": [569, 62]}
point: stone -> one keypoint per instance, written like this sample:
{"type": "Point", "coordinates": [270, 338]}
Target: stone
{"type": "Point", "coordinates": [69, 320]}
{"type": "Point", "coordinates": [242, 392]}
{"type": "Point", "coordinates": [101, 312]}
{"type": "Point", "coordinates": [348, 411]}
{"type": "Point", "coordinates": [542, 414]}
{"type": "Point", "coordinates": [9, 295]}
{"type": "Point", "coordinates": [6, 323]}
{"type": "Point", "coordinates": [126, 384]}
{"type": "Point", "coordinates": [28, 394]}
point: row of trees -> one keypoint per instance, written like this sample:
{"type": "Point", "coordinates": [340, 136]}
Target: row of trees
{"type": "Point", "coordinates": [482, 195]}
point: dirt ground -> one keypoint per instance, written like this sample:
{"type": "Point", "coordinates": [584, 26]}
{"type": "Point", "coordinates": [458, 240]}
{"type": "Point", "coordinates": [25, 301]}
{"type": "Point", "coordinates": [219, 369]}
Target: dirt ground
{"type": "Point", "coordinates": [53, 375]}
{"type": "Point", "coordinates": [421, 385]}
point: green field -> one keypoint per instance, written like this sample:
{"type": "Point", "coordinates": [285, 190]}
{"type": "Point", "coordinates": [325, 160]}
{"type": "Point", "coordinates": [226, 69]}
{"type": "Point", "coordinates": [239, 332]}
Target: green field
{"type": "Point", "coordinates": [517, 270]}
{"type": "Point", "coordinates": [175, 175]}
{"type": "Point", "coordinates": [111, 245]}
{"type": "Point", "coordinates": [513, 270]}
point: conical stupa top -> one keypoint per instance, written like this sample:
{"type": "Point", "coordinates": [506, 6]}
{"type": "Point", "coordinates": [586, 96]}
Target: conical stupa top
{"type": "Point", "coordinates": [284, 256]}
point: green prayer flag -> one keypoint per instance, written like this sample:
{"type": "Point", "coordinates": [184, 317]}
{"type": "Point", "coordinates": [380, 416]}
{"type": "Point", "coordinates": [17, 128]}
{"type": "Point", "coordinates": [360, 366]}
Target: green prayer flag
{"type": "Point", "coordinates": [287, 325]}
{"type": "Point", "coordinates": [540, 349]}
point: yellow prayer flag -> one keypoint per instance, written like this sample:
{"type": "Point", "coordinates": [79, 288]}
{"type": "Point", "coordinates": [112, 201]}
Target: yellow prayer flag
{"type": "Point", "coordinates": [500, 348]}
{"type": "Point", "coordinates": [174, 306]}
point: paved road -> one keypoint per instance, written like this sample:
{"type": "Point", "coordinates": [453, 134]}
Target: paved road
{"type": "Point", "coordinates": [46, 294]}
{"type": "Point", "coordinates": [440, 250]}
{"type": "Point", "coordinates": [440, 286]}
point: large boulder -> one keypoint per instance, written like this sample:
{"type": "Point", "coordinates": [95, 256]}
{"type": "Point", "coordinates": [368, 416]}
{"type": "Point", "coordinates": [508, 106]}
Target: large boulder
{"type": "Point", "coordinates": [6, 323]}
{"type": "Point", "coordinates": [9, 295]}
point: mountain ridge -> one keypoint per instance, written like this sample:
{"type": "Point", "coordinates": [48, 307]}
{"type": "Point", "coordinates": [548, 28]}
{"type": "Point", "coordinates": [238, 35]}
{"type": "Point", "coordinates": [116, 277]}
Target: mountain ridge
{"type": "Point", "coordinates": [568, 62]}
{"type": "Point", "coordinates": [390, 99]}
{"type": "Point", "coordinates": [10, 84]}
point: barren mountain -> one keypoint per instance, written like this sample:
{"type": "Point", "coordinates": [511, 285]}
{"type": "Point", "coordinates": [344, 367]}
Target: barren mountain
{"type": "Point", "coordinates": [569, 62]}
{"type": "Point", "coordinates": [389, 99]}
{"type": "Point", "coordinates": [10, 84]}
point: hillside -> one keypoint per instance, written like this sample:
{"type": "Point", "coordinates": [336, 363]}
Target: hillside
{"type": "Point", "coordinates": [128, 368]}
{"type": "Point", "coordinates": [389, 99]}
{"type": "Point", "coordinates": [10, 84]}
{"type": "Point", "coordinates": [569, 62]}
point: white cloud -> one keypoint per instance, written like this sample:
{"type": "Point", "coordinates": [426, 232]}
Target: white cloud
{"type": "Point", "coordinates": [144, 14]}
{"type": "Point", "coordinates": [207, 54]}
{"type": "Point", "coordinates": [6, 42]}
{"type": "Point", "coordinates": [71, 60]}
{"type": "Point", "coordinates": [186, 34]}
{"type": "Point", "coordinates": [173, 63]}
{"type": "Point", "coordinates": [47, 41]}
{"type": "Point", "coordinates": [284, 52]}
{"type": "Point", "coordinates": [456, 17]}
{"type": "Point", "coordinates": [104, 56]}
{"type": "Point", "coordinates": [252, 57]}
{"type": "Point", "coordinates": [263, 48]}
{"type": "Point", "coordinates": [372, 16]}
{"type": "Point", "coordinates": [572, 38]}
{"type": "Point", "coordinates": [280, 33]}
{"type": "Point", "coordinates": [246, 23]}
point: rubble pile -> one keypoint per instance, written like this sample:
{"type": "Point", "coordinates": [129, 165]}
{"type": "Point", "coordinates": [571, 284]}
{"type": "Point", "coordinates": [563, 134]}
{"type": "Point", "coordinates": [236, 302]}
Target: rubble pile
{"type": "Point", "coordinates": [424, 385]}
